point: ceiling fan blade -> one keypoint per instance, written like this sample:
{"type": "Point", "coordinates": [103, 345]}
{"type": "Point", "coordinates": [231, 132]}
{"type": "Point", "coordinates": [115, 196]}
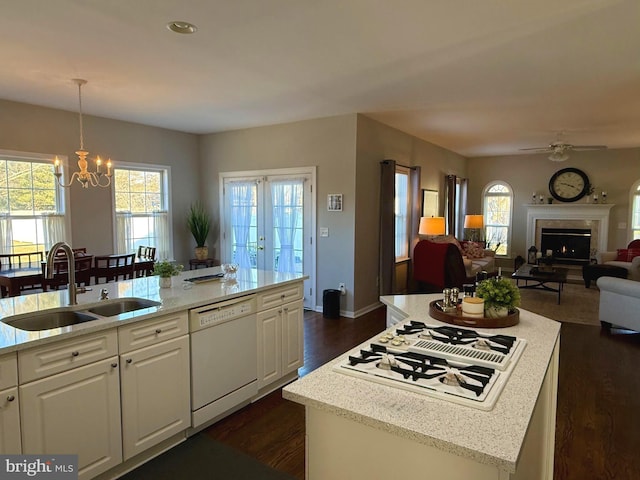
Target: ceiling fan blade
{"type": "Point", "coordinates": [589, 147]}
{"type": "Point", "coordinates": [538, 149]}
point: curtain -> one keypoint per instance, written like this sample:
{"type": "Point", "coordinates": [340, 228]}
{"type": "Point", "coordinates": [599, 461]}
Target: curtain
{"type": "Point", "coordinates": [161, 230]}
{"type": "Point", "coordinates": [387, 267]}
{"type": "Point", "coordinates": [6, 234]}
{"type": "Point", "coordinates": [286, 198]}
{"type": "Point", "coordinates": [53, 228]}
{"type": "Point", "coordinates": [241, 201]}
{"type": "Point", "coordinates": [450, 203]}
{"type": "Point", "coordinates": [123, 233]}
{"type": "Point", "coordinates": [415, 207]}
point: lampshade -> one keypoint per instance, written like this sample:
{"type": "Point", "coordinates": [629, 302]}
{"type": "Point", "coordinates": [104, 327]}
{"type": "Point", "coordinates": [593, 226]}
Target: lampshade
{"type": "Point", "coordinates": [473, 221]}
{"type": "Point", "coordinates": [431, 226]}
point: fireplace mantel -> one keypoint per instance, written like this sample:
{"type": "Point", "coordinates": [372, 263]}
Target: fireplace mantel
{"type": "Point", "coordinates": [591, 212]}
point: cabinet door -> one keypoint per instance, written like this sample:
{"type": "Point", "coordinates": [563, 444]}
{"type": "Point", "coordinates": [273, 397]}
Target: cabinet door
{"type": "Point", "coordinates": [155, 394]}
{"type": "Point", "coordinates": [269, 346]}
{"type": "Point", "coordinates": [75, 412]}
{"type": "Point", "coordinates": [9, 422]}
{"type": "Point", "coordinates": [292, 337]}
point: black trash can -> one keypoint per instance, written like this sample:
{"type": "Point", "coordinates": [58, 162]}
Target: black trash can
{"type": "Point", "coordinates": [331, 303]}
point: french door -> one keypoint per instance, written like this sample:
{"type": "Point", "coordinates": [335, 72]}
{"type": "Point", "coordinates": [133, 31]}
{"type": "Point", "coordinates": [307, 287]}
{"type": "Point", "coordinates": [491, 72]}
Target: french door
{"type": "Point", "coordinates": [267, 222]}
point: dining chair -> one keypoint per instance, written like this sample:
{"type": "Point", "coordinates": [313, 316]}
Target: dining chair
{"type": "Point", "coordinates": [112, 267]}
{"type": "Point", "coordinates": [83, 267]}
{"type": "Point", "coordinates": [145, 258]}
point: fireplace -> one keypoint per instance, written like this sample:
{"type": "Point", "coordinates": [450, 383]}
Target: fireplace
{"type": "Point", "coordinates": [569, 245]}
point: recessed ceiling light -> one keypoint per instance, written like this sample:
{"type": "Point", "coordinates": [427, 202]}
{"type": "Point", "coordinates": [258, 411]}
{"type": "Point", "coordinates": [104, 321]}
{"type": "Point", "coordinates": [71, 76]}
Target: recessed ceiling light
{"type": "Point", "coordinates": [182, 27]}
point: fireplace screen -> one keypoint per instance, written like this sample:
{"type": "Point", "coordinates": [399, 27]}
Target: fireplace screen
{"type": "Point", "coordinates": [569, 245]}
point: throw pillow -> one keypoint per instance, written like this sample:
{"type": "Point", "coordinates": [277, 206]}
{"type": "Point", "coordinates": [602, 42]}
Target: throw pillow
{"type": "Point", "coordinates": [473, 250]}
{"type": "Point", "coordinates": [623, 253]}
{"type": "Point", "coordinates": [632, 253]}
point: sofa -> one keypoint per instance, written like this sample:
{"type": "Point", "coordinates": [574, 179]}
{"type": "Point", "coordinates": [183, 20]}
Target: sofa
{"type": "Point", "coordinates": [619, 303]}
{"type": "Point", "coordinates": [439, 264]}
{"type": "Point", "coordinates": [628, 258]}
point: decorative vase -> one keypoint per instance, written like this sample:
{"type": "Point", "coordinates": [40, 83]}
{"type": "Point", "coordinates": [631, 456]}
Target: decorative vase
{"type": "Point", "coordinates": [165, 282]}
{"type": "Point", "coordinates": [202, 253]}
{"type": "Point", "coordinates": [496, 312]}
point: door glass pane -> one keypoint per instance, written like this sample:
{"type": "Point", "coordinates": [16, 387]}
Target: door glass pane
{"type": "Point", "coordinates": [287, 199]}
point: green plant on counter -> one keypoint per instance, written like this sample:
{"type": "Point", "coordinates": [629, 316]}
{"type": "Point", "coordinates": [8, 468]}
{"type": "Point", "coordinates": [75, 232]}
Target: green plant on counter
{"type": "Point", "coordinates": [498, 292]}
{"type": "Point", "coordinates": [166, 268]}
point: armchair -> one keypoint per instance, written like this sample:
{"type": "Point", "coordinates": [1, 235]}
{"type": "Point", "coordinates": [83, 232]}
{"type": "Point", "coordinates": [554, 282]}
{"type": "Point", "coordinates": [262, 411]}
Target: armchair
{"type": "Point", "coordinates": [619, 303]}
{"type": "Point", "coordinates": [613, 258]}
{"type": "Point", "coordinates": [438, 265]}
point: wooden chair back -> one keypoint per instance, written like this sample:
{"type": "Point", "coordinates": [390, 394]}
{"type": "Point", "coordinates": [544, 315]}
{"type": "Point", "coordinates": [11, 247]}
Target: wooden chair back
{"type": "Point", "coordinates": [10, 261]}
{"type": "Point", "coordinates": [83, 267]}
{"type": "Point", "coordinates": [112, 267]}
{"type": "Point", "coordinates": [146, 253]}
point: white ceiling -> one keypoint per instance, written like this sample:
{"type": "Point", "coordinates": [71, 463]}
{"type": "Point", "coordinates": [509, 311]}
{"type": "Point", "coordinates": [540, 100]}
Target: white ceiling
{"type": "Point", "coordinates": [479, 77]}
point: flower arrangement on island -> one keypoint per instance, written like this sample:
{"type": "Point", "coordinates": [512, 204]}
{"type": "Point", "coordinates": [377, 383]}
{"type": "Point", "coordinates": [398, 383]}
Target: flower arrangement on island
{"type": "Point", "coordinates": [500, 296]}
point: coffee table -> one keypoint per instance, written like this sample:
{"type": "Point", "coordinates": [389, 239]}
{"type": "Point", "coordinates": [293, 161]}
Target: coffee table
{"type": "Point", "coordinates": [532, 273]}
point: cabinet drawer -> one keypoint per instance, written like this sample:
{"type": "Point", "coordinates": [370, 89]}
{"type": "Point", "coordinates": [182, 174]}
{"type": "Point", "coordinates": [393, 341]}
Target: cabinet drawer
{"type": "Point", "coordinates": [58, 357]}
{"type": "Point", "coordinates": [279, 296]}
{"type": "Point", "coordinates": [8, 370]}
{"type": "Point", "coordinates": [150, 332]}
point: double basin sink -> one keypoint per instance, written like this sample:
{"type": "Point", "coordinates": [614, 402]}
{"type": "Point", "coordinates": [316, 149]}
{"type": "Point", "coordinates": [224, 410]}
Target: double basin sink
{"type": "Point", "coordinates": [67, 316]}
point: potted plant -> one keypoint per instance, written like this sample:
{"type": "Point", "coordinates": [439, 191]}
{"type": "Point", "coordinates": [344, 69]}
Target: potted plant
{"type": "Point", "coordinates": [165, 270]}
{"type": "Point", "coordinates": [199, 224]}
{"type": "Point", "coordinates": [500, 296]}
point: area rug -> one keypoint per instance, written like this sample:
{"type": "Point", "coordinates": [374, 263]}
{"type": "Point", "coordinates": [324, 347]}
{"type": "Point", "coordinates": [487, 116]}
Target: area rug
{"type": "Point", "coordinates": [577, 304]}
{"type": "Point", "coordinates": [202, 458]}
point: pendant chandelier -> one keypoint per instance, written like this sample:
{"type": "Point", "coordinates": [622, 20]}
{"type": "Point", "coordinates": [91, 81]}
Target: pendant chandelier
{"type": "Point", "coordinates": [97, 178]}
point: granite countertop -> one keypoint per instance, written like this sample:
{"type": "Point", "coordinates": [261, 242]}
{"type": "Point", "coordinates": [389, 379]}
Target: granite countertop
{"type": "Point", "coordinates": [181, 296]}
{"type": "Point", "coordinates": [491, 437]}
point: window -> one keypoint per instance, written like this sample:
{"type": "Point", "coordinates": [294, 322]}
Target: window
{"type": "Point", "coordinates": [402, 213]}
{"type": "Point", "coordinates": [31, 204]}
{"type": "Point", "coordinates": [635, 211]}
{"type": "Point", "coordinates": [497, 217]}
{"type": "Point", "coordinates": [142, 210]}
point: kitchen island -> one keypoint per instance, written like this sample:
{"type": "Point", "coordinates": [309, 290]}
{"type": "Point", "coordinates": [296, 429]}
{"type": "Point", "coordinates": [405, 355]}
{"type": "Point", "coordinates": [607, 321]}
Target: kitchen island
{"type": "Point", "coordinates": [122, 384]}
{"type": "Point", "coordinates": [357, 428]}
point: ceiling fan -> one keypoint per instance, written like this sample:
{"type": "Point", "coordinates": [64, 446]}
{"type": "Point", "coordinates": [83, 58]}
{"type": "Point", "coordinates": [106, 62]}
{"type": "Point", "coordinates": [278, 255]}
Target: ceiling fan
{"type": "Point", "coordinates": [559, 150]}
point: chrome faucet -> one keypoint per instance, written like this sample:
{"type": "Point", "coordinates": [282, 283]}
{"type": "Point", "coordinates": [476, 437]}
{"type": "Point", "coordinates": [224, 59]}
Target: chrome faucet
{"type": "Point", "coordinates": [71, 268]}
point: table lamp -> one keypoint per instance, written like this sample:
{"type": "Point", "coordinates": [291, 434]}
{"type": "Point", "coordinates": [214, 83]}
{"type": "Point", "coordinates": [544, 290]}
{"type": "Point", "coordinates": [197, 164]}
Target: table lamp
{"type": "Point", "coordinates": [474, 223]}
{"type": "Point", "coordinates": [431, 226]}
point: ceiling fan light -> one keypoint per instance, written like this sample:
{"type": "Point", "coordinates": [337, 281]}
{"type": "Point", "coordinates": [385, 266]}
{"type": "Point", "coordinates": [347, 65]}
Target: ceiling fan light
{"type": "Point", "coordinates": [558, 156]}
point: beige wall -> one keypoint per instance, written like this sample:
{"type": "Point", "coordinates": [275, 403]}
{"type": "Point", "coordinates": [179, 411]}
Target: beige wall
{"type": "Point", "coordinates": [35, 129]}
{"type": "Point", "coordinates": [329, 144]}
{"type": "Point", "coordinates": [377, 142]}
{"type": "Point", "coordinates": [612, 170]}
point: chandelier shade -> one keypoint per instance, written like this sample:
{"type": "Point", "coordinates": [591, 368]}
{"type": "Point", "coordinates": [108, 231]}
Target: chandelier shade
{"type": "Point", "coordinates": [86, 177]}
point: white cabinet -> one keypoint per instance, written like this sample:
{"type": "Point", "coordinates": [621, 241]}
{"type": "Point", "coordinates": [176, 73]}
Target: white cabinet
{"type": "Point", "coordinates": [76, 411]}
{"type": "Point", "coordinates": [9, 405]}
{"type": "Point", "coordinates": [155, 394]}
{"type": "Point", "coordinates": [280, 333]}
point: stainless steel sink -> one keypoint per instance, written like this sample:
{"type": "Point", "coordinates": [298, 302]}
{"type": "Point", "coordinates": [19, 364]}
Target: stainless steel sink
{"type": "Point", "coordinates": [116, 307]}
{"type": "Point", "coordinates": [48, 319]}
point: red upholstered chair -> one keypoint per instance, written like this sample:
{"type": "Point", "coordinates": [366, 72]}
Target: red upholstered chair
{"type": "Point", "coordinates": [437, 266]}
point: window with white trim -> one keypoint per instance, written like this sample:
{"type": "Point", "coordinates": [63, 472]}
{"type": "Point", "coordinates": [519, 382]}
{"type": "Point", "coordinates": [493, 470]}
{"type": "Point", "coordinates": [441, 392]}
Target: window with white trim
{"type": "Point", "coordinates": [402, 214]}
{"type": "Point", "coordinates": [142, 210]}
{"type": "Point", "coordinates": [32, 213]}
{"type": "Point", "coordinates": [497, 208]}
{"type": "Point", "coordinates": [635, 211]}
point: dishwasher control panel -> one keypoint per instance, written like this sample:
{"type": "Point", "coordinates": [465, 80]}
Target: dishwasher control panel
{"type": "Point", "coordinates": [221, 312]}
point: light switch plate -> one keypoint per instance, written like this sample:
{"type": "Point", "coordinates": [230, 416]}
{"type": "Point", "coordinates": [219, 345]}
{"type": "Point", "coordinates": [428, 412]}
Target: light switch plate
{"type": "Point", "coordinates": [622, 225]}
{"type": "Point", "coordinates": [324, 232]}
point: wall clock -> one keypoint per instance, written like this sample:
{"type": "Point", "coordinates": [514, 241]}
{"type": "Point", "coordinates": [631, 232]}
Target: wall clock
{"type": "Point", "coordinates": [569, 185]}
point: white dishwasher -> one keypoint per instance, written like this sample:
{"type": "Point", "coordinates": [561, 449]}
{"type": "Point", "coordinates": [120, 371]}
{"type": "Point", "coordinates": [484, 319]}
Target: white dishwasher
{"type": "Point", "coordinates": [224, 358]}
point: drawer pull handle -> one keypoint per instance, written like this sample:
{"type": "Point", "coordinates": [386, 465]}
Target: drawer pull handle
{"type": "Point", "coordinates": [158, 330]}
{"type": "Point", "coordinates": [114, 365]}
{"type": "Point", "coordinates": [282, 296]}
{"type": "Point", "coordinates": [75, 354]}
{"type": "Point", "coordinates": [129, 360]}
{"type": "Point", "coordinates": [11, 398]}
{"type": "Point", "coordinates": [286, 309]}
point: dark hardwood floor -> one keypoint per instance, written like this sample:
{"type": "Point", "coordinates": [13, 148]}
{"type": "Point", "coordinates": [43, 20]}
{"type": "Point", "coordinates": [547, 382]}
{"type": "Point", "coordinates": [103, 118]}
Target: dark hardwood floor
{"type": "Point", "coordinates": [597, 427]}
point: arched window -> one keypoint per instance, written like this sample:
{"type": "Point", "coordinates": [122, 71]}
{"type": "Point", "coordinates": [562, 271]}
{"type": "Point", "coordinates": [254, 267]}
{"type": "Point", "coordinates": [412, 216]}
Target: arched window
{"type": "Point", "coordinates": [635, 211]}
{"type": "Point", "coordinates": [497, 207]}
